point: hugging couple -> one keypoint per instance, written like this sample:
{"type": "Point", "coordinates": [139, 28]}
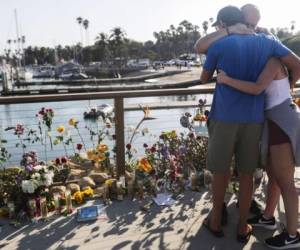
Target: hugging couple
{"type": "Point", "coordinates": [254, 119]}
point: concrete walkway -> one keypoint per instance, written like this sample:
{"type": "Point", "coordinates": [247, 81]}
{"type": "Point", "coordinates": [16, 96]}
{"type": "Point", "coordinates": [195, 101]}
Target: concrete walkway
{"type": "Point", "coordinates": [175, 227]}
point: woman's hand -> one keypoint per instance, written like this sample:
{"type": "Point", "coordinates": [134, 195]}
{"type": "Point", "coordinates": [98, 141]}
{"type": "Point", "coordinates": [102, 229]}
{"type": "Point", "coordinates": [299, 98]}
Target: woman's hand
{"type": "Point", "coordinates": [222, 77]}
{"type": "Point", "coordinates": [240, 29]}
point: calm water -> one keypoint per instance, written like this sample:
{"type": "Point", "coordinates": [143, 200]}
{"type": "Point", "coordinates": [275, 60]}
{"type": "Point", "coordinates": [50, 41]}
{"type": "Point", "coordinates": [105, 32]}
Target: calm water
{"type": "Point", "coordinates": [167, 119]}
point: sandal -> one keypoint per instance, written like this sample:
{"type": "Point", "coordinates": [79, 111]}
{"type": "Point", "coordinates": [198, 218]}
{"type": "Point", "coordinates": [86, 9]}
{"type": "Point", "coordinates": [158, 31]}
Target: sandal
{"type": "Point", "coordinates": [218, 234]}
{"type": "Point", "coordinates": [244, 238]}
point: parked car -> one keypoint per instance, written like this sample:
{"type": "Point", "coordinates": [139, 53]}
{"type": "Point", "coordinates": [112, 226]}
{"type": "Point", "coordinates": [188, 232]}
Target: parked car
{"type": "Point", "coordinates": [158, 64]}
{"type": "Point", "coordinates": [171, 62]}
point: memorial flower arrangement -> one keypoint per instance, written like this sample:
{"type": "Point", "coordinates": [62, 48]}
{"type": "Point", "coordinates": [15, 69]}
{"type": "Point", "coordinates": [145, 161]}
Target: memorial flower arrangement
{"type": "Point", "coordinates": [164, 166]}
{"type": "Point", "coordinates": [36, 178]}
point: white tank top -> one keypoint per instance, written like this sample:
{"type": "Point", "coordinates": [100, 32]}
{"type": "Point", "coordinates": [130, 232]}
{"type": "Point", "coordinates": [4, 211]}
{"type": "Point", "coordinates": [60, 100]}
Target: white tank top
{"type": "Point", "coordinates": [277, 92]}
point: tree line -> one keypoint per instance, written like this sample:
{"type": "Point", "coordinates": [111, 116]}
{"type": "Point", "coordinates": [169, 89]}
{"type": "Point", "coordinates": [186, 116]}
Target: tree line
{"type": "Point", "coordinates": [115, 46]}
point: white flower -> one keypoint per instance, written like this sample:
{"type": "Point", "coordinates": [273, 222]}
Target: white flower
{"type": "Point", "coordinates": [48, 178]}
{"type": "Point", "coordinates": [28, 186]}
{"type": "Point", "coordinates": [38, 167]}
{"type": "Point", "coordinates": [36, 176]}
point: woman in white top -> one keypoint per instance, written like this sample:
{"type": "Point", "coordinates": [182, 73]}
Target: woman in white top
{"type": "Point", "coordinates": [282, 145]}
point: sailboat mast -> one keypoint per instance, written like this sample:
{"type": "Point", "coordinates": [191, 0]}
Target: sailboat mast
{"type": "Point", "coordinates": [17, 29]}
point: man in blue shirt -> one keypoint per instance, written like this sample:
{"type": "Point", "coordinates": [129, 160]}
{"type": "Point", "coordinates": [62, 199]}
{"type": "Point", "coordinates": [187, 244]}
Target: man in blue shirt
{"type": "Point", "coordinates": [236, 118]}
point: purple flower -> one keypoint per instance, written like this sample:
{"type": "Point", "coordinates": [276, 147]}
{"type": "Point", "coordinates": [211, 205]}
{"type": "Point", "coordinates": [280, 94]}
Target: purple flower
{"type": "Point", "coordinates": [164, 151]}
{"type": "Point", "coordinates": [29, 167]}
{"type": "Point", "coordinates": [182, 150]}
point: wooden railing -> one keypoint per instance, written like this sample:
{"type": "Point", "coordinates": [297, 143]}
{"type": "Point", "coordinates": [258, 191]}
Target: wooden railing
{"type": "Point", "coordinates": [118, 97]}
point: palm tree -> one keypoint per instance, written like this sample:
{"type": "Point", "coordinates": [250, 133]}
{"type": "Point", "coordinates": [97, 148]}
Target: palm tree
{"type": "Point", "coordinates": [292, 26]}
{"type": "Point", "coordinates": [79, 21]}
{"type": "Point", "coordinates": [102, 47]}
{"type": "Point", "coordinates": [116, 42]}
{"type": "Point", "coordinates": [85, 24]}
{"type": "Point", "coordinates": [205, 27]}
{"type": "Point", "coordinates": [9, 41]}
{"type": "Point", "coordinates": [22, 41]}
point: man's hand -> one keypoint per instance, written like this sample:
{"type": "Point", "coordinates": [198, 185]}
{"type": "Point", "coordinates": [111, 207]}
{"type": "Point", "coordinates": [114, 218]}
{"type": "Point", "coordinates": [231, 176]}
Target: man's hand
{"type": "Point", "coordinates": [240, 29]}
{"type": "Point", "coordinates": [262, 30]}
{"type": "Point", "coordinates": [222, 77]}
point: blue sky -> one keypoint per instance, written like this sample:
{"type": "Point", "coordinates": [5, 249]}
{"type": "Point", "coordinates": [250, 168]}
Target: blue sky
{"type": "Point", "coordinates": [52, 22]}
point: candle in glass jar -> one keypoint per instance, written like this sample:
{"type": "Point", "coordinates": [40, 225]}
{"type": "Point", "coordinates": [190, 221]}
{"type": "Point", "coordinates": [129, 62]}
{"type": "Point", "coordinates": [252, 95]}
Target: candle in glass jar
{"type": "Point", "coordinates": [43, 205]}
{"type": "Point", "coordinates": [56, 197]}
{"type": "Point", "coordinates": [122, 180]}
{"type": "Point", "coordinates": [11, 209]}
{"type": "Point", "coordinates": [119, 191]}
{"type": "Point", "coordinates": [130, 188]}
{"type": "Point", "coordinates": [32, 207]}
{"type": "Point", "coordinates": [193, 180]}
{"type": "Point", "coordinates": [69, 201]}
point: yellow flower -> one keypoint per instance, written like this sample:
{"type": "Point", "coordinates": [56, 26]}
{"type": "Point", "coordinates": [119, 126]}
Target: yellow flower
{"type": "Point", "coordinates": [88, 192]}
{"type": "Point", "coordinates": [99, 157]}
{"type": "Point", "coordinates": [78, 197]}
{"type": "Point", "coordinates": [144, 165]}
{"type": "Point", "coordinates": [60, 129]}
{"type": "Point", "coordinates": [102, 148]}
{"type": "Point", "coordinates": [90, 154]}
{"type": "Point", "coordinates": [173, 134]}
{"type": "Point", "coordinates": [73, 122]}
{"type": "Point", "coordinates": [109, 182]}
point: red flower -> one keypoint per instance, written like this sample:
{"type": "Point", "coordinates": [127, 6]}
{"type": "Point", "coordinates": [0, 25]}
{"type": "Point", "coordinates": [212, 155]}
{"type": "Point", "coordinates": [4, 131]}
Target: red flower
{"type": "Point", "coordinates": [79, 146]}
{"type": "Point", "coordinates": [128, 146]}
{"type": "Point", "coordinates": [191, 135]}
{"type": "Point", "coordinates": [198, 137]}
{"type": "Point", "coordinates": [64, 160]}
{"type": "Point", "coordinates": [145, 145]}
{"type": "Point", "coordinates": [57, 161]}
{"type": "Point", "coordinates": [153, 149]}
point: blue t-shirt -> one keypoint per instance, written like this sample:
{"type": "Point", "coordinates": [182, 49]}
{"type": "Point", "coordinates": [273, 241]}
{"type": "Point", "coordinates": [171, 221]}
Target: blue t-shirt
{"type": "Point", "coordinates": [242, 57]}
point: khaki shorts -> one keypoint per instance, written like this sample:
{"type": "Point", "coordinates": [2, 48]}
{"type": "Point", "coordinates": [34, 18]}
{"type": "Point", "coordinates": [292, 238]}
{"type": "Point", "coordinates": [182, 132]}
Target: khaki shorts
{"type": "Point", "coordinates": [233, 139]}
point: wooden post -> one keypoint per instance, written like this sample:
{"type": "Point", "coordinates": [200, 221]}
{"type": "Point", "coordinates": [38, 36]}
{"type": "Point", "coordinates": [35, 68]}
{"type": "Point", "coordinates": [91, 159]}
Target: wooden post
{"type": "Point", "coordinates": [119, 130]}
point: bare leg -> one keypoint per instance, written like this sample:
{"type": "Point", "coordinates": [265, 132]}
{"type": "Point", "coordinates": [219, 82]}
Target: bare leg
{"type": "Point", "coordinates": [219, 185]}
{"type": "Point", "coordinates": [245, 196]}
{"type": "Point", "coordinates": [282, 162]}
{"type": "Point", "coordinates": [273, 194]}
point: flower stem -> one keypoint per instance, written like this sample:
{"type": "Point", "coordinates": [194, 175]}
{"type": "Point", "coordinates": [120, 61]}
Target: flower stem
{"type": "Point", "coordinates": [135, 130]}
{"type": "Point", "coordinates": [81, 138]}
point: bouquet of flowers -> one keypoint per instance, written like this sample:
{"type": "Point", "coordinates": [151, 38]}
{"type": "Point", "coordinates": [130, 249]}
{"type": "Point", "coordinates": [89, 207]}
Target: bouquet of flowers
{"type": "Point", "coordinates": [36, 178]}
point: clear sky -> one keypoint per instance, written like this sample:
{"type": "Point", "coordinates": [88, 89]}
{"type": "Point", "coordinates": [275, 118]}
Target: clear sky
{"type": "Point", "coordinates": [52, 22]}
